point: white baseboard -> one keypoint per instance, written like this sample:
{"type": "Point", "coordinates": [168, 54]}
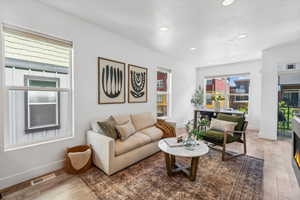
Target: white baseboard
{"type": "Point", "coordinates": [30, 174]}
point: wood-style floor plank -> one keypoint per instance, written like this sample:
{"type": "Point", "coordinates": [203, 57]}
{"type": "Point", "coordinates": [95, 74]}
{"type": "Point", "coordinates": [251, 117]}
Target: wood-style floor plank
{"type": "Point", "coordinates": [279, 178]}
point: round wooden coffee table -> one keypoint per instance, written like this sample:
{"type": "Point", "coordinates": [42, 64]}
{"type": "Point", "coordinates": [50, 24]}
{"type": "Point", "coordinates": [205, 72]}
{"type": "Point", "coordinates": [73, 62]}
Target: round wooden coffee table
{"type": "Point", "coordinates": [171, 152]}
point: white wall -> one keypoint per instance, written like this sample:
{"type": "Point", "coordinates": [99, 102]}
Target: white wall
{"type": "Point", "coordinates": [89, 42]}
{"type": "Point", "coordinates": [253, 68]}
{"type": "Point", "coordinates": [272, 58]}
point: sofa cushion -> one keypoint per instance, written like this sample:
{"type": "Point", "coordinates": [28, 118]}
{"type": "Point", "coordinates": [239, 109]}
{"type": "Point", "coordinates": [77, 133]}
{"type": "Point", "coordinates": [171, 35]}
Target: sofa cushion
{"type": "Point", "coordinates": [125, 130]}
{"type": "Point", "coordinates": [121, 119]}
{"type": "Point", "coordinates": [134, 141]}
{"type": "Point", "coordinates": [143, 120]}
{"type": "Point", "coordinates": [153, 132]}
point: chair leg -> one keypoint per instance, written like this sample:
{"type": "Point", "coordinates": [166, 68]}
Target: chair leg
{"type": "Point", "coordinates": [224, 147]}
{"type": "Point", "coordinates": [245, 143]}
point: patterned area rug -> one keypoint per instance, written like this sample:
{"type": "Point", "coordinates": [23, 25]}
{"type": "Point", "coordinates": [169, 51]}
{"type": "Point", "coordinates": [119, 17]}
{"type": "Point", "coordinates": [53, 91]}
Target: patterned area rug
{"type": "Point", "coordinates": [239, 178]}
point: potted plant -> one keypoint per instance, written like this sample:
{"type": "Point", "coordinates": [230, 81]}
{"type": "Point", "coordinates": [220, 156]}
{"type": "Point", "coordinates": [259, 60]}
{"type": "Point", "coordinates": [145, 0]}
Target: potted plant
{"type": "Point", "coordinates": [198, 97]}
{"type": "Point", "coordinates": [217, 101]}
{"type": "Point", "coordinates": [198, 133]}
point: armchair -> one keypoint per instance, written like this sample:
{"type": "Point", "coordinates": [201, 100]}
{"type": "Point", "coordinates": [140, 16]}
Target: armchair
{"type": "Point", "coordinates": [220, 138]}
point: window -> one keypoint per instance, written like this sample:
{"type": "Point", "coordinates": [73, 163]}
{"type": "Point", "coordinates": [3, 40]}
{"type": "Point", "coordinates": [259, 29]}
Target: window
{"type": "Point", "coordinates": [234, 89]}
{"type": "Point", "coordinates": [38, 87]}
{"type": "Point", "coordinates": [163, 93]}
{"type": "Point", "coordinates": [292, 97]}
{"type": "Point", "coordinates": [41, 107]}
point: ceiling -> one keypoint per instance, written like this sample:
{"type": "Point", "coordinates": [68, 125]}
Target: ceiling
{"type": "Point", "coordinates": [204, 24]}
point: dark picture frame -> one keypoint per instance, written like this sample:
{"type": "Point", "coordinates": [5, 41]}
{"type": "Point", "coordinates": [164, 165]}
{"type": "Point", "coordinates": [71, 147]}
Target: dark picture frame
{"type": "Point", "coordinates": [111, 81]}
{"type": "Point", "coordinates": [137, 84]}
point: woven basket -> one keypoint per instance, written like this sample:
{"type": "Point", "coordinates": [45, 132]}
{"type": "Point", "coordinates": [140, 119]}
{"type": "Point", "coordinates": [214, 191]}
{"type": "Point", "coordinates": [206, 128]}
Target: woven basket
{"type": "Point", "coordinates": [68, 164]}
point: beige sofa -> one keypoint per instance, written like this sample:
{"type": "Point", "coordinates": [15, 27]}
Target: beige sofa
{"type": "Point", "coordinates": [113, 155]}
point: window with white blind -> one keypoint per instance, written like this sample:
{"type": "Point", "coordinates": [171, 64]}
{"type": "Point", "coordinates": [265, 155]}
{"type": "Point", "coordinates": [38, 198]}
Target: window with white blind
{"type": "Point", "coordinates": [38, 87]}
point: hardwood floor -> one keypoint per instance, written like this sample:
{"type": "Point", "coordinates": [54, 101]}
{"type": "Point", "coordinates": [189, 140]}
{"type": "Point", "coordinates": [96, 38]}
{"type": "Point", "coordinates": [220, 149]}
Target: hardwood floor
{"type": "Point", "coordinates": [279, 179]}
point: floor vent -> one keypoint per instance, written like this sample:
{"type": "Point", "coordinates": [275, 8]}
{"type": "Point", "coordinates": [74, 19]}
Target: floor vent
{"type": "Point", "coordinates": [42, 179]}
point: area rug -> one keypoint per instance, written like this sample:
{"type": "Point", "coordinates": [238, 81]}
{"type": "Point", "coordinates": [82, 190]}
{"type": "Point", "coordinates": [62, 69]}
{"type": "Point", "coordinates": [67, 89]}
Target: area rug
{"type": "Point", "coordinates": [238, 179]}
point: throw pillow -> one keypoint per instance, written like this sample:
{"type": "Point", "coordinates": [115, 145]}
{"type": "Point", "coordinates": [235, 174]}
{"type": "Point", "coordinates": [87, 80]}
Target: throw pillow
{"type": "Point", "coordinates": [222, 125]}
{"type": "Point", "coordinates": [231, 118]}
{"type": "Point", "coordinates": [125, 130]}
{"type": "Point", "coordinates": [108, 128]}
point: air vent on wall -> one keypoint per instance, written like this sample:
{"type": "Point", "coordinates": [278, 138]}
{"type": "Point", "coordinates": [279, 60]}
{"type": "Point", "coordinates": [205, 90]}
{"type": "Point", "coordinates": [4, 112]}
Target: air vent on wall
{"type": "Point", "coordinates": [289, 67]}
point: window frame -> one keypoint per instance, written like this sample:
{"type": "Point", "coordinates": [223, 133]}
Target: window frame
{"type": "Point", "coordinates": [29, 129]}
{"type": "Point", "coordinates": [4, 103]}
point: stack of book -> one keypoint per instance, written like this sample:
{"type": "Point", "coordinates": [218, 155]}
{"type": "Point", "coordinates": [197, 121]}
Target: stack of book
{"type": "Point", "coordinates": [172, 142]}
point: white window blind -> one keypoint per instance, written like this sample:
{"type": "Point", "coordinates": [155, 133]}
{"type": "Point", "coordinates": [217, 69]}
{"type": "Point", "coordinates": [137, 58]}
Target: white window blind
{"type": "Point", "coordinates": [35, 47]}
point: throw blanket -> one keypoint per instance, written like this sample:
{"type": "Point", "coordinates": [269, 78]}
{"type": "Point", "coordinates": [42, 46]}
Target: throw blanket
{"type": "Point", "coordinates": [167, 129]}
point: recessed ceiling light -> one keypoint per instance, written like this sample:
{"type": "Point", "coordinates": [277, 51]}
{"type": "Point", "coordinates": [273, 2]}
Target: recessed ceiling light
{"type": "Point", "coordinates": [193, 48]}
{"type": "Point", "coordinates": [227, 2]}
{"type": "Point", "coordinates": [242, 36]}
{"type": "Point", "coordinates": [163, 28]}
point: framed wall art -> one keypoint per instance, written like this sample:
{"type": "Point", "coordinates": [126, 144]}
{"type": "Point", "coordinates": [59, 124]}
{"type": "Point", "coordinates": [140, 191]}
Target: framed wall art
{"type": "Point", "coordinates": [111, 81]}
{"type": "Point", "coordinates": [137, 84]}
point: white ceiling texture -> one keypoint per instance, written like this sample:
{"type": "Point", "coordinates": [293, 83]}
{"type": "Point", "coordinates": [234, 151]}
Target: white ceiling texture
{"type": "Point", "coordinates": [220, 34]}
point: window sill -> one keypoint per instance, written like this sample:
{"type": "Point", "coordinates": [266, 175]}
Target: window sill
{"type": "Point", "coordinates": [37, 144]}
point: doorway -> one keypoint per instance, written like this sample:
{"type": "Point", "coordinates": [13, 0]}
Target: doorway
{"type": "Point", "coordinates": [288, 102]}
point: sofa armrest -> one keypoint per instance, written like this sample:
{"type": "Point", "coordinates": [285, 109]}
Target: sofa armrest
{"type": "Point", "coordinates": [103, 149]}
{"type": "Point", "coordinates": [171, 123]}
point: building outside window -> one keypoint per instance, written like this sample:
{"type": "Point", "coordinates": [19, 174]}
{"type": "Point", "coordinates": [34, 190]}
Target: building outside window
{"type": "Point", "coordinates": [234, 89]}
{"type": "Point", "coordinates": [38, 87]}
{"type": "Point", "coordinates": [163, 93]}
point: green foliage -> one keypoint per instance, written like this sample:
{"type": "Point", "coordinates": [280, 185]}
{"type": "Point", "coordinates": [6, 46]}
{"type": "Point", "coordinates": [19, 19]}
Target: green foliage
{"type": "Point", "coordinates": [243, 109]}
{"type": "Point", "coordinates": [203, 122]}
{"type": "Point", "coordinates": [199, 134]}
{"type": "Point", "coordinates": [198, 97]}
{"type": "Point", "coordinates": [189, 126]}
{"type": "Point", "coordinates": [218, 98]}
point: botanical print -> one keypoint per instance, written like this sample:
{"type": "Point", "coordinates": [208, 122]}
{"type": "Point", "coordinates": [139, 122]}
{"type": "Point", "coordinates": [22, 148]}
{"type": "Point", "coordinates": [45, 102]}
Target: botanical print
{"type": "Point", "coordinates": [137, 84]}
{"type": "Point", "coordinates": [111, 81]}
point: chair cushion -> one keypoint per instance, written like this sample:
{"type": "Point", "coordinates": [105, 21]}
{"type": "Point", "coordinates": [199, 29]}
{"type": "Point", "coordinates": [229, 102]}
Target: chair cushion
{"type": "Point", "coordinates": [217, 137]}
{"type": "Point", "coordinates": [125, 130]}
{"type": "Point", "coordinates": [222, 125]}
{"type": "Point", "coordinates": [143, 120]}
{"type": "Point", "coordinates": [134, 141]}
{"type": "Point", "coordinates": [153, 132]}
{"type": "Point", "coordinates": [231, 118]}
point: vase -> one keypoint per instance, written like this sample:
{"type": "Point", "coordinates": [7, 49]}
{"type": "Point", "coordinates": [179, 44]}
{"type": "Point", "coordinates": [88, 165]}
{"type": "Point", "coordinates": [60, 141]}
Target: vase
{"type": "Point", "coordinates": [189, 142]}
{"type": "Point", "coordinates": [217, 106]}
